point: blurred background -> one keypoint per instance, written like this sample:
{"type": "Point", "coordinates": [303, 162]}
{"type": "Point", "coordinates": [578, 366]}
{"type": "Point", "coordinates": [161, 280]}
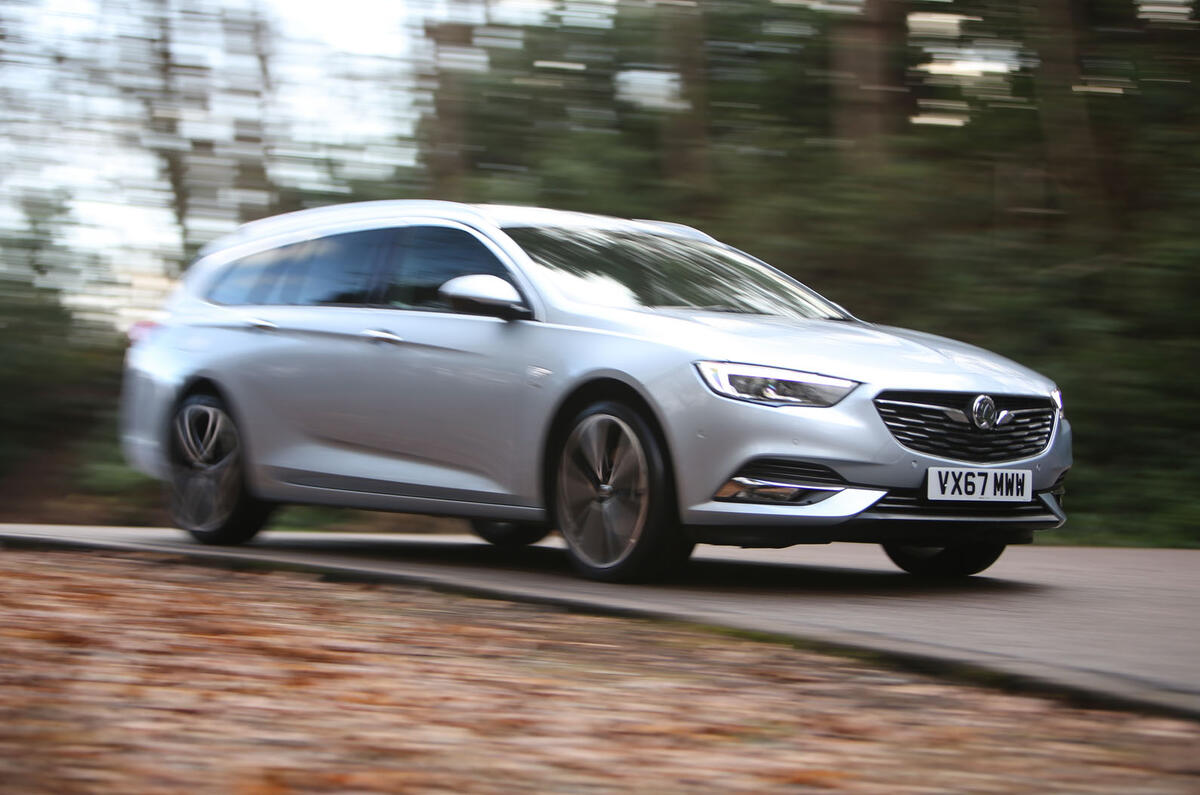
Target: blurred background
{"type": "Point", "coordinates": [1021, 174]}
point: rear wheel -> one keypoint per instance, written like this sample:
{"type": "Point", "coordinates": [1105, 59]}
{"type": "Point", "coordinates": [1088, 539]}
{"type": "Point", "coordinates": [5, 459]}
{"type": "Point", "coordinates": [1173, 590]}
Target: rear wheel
{"type": "Point", "coordinates": [208, 496]}
{"type": "Point", "coordinates": [959, 560]}
{"type": "Point", "coordinates": [613, 499]}
{"type": "Point", "coordinates": [509, 534]}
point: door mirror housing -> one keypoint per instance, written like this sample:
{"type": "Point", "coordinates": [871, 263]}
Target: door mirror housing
{"type": "Point", "coordinates": [484, 294]}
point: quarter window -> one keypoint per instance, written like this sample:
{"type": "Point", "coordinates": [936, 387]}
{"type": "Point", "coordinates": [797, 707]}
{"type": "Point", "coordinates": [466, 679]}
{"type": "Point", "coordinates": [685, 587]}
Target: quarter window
{"type": "Point", "coordinates": [430, 256]}
{"type": "Point", "coordinates": [255, 279]}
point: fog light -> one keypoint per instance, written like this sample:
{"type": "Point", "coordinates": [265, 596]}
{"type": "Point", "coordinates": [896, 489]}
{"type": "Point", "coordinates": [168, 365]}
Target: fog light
{"type": "Point", "coordinates": [743, 489]}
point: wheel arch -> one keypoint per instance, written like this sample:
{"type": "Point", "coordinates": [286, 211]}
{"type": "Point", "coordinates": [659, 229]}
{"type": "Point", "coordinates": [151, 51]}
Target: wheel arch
{"type": "Point", "coordinates": [591, 391]}
{"type": "Point", "coordinates": [201, 385]}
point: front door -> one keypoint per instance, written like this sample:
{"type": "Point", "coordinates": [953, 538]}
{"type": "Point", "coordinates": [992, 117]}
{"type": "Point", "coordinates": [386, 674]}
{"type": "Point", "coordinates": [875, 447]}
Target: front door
{"type": "Point", "coordinates": [454, 382]}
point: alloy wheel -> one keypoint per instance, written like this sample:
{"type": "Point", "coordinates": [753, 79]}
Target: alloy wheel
{"type": "Point", "coordinates": [603, 490]}
{"type": "Point", "coordinates": [207, 482]}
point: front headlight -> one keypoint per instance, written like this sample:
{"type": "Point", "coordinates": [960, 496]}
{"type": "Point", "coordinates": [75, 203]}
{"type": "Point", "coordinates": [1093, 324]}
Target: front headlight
{"type": "Point", "coordinates": [1056, 396]}
{"type": "Point", "coordinates": [772, 386]}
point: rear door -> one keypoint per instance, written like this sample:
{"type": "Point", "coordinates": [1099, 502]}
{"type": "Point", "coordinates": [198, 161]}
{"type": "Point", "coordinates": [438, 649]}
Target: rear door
{"type": "Point", "coordinates": [305, 379]}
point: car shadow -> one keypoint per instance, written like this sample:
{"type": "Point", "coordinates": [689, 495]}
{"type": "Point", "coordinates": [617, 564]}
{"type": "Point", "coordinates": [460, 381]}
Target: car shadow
{"type": "Point", "coordinates": [796, 578]}
{"type": "Point", "coordinates": [700, 574]}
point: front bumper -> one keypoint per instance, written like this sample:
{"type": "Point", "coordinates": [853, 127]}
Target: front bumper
{"type": "Point", "coordinates": [877, 488]}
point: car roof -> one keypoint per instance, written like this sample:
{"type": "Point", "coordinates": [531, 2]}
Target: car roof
{"type": "Point", "coordinates": [477, 215]}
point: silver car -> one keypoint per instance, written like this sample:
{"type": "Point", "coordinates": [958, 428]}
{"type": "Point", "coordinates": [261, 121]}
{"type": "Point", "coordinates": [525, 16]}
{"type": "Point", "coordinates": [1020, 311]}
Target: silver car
{"type": "Point", "coordinates": [636, 385]}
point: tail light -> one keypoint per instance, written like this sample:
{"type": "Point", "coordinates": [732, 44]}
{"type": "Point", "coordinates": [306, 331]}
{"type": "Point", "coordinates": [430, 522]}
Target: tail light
{"type": "Point", "coordinates": [141, 330]}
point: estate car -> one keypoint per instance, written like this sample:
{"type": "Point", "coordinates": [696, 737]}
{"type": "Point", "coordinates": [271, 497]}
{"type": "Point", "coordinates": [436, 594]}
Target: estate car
{"type": "Point", "coordinates": [638, 386]}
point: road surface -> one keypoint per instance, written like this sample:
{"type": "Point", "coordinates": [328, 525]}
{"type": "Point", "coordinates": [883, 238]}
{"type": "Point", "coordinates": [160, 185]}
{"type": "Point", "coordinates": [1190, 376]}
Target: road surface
{"type": "Point", "coordinates": [1123, 624]}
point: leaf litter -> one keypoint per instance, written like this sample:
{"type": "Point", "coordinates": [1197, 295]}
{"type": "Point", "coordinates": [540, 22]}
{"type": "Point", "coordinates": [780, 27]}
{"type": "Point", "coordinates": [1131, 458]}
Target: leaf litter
{"type": "Point", "coordinates": [139, 673]}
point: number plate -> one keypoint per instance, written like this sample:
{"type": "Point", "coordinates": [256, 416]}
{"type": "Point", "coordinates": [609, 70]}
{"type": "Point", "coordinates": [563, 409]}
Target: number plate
{"type": "Point", "coordinates": [988, 485]}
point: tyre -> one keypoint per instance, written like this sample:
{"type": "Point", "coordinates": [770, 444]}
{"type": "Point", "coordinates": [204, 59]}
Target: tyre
{"type": "Point", "coordinates": [960, 560]}
{"type": "Point", "coordinates": [509, 535]}
{"type": "Point", "coordinates": [207, 491]}
{"type": "Point", "coordinates": [613, 497]}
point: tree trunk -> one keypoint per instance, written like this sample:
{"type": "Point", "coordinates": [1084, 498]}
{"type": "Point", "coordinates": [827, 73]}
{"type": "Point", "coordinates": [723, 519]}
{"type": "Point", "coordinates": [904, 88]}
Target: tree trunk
{"type": "Point", "coordinates": [445, 133]}
{"type": "Point", "coordinates": [1070, 149]}
{"type": "Point", "coordinates": [871, 99]}
{"type": "Point", "coordinates": [687, 158]}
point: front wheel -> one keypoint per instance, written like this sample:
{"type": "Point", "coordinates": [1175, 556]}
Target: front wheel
{"type": "Point", "coordinates": [959, 560]}
{"type": "Point", "coordinates": [614, 501]}
{"type": "Point", "coordinates": [208, 496]}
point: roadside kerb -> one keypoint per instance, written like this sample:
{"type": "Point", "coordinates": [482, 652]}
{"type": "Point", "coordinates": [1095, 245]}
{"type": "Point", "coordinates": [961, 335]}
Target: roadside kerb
{"type": "Point", "coordinates": [1078, 686]}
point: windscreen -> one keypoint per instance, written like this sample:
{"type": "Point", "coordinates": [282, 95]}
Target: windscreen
{"type": "Point", "coordinates": [630, 269]}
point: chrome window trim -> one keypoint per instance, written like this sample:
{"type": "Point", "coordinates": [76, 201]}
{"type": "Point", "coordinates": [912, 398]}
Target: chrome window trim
{"type": "Point", "coordinates": [204, 273]}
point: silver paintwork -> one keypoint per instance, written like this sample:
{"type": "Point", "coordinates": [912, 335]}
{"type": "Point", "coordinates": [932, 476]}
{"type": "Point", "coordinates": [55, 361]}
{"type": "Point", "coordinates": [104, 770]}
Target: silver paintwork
{"type": "Point", "coordinates": [437, 412]}
{"type": "Point", "coordinates": [482, 288]}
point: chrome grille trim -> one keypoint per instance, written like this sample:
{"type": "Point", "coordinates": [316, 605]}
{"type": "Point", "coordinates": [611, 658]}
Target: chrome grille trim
{"type": "Point", "coordinates": [936, 423]}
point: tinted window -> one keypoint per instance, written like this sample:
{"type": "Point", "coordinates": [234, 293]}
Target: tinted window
{"type": "Point", "coordinates": [337, 269]}
{"type": "Point", "coordinates": [429, 257]}
{"type": "Point", "coordinates": [283, 280]}
{"type": "Point", "coordinates": [636, 269]}
{"type": "Point", "coordinates": [255, 279]}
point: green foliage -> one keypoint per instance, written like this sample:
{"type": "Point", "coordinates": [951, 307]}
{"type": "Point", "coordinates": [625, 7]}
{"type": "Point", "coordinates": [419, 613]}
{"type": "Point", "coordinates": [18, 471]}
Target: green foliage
{"type": "Point", "coordinates": [1056, 226]}
{"type": "Point", "coordinates": [102, 470]}
{"type": "Point", "coordinates": [54, 373]}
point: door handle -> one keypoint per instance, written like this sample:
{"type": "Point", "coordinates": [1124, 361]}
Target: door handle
{"type": "Point", "coordinates": [261, 325]}
{"type": "Point", "coordinates": [382, 335]}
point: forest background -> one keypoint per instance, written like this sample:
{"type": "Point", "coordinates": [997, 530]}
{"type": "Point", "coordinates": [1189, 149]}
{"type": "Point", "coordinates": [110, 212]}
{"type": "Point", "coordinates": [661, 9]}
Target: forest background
{"type": "Point", "coordinates": [1024, 175]}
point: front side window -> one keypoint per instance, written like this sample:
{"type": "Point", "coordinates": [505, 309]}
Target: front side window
{"type": "Point", "coordinates": [631, 269]}
{"type": "Point", "coordinates": [430, 256]}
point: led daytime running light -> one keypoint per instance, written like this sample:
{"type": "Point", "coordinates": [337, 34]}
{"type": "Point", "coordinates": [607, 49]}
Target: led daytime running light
{"type": "Point", "coordinates": [773, 386]}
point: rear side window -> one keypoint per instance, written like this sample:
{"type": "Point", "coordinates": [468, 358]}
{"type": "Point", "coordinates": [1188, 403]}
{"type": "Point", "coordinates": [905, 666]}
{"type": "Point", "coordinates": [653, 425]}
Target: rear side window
{"type": "Point", "coordinates": [430, 256]}
{"type": "Point", "coordinates": [336, 269]}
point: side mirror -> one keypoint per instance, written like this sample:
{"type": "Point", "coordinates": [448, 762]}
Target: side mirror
{"type": "Point", "coordinates": [484, 294]}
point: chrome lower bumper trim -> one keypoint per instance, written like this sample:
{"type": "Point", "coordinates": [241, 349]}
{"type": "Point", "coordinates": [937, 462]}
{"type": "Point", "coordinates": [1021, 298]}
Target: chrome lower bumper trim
{"type": "Point", "coordinates": [743, 489]}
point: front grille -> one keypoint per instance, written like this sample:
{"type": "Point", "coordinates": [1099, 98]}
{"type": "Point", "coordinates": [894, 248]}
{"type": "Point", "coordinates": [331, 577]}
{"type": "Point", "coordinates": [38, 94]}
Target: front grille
{"type": "Point", "coordinates": [938, 423]}
{"type": "Point", "coordinates": [905, 503]}
{"type": "Point", "coordinates": [784, 470]}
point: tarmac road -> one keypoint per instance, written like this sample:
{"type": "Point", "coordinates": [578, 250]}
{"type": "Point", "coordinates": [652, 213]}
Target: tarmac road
{"type": "Point", "coordinates": [1121, 624]}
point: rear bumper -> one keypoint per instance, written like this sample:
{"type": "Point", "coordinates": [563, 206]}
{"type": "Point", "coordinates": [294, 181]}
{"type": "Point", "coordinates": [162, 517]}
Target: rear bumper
{"type": "Point", "coordinates": [145, 407]}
